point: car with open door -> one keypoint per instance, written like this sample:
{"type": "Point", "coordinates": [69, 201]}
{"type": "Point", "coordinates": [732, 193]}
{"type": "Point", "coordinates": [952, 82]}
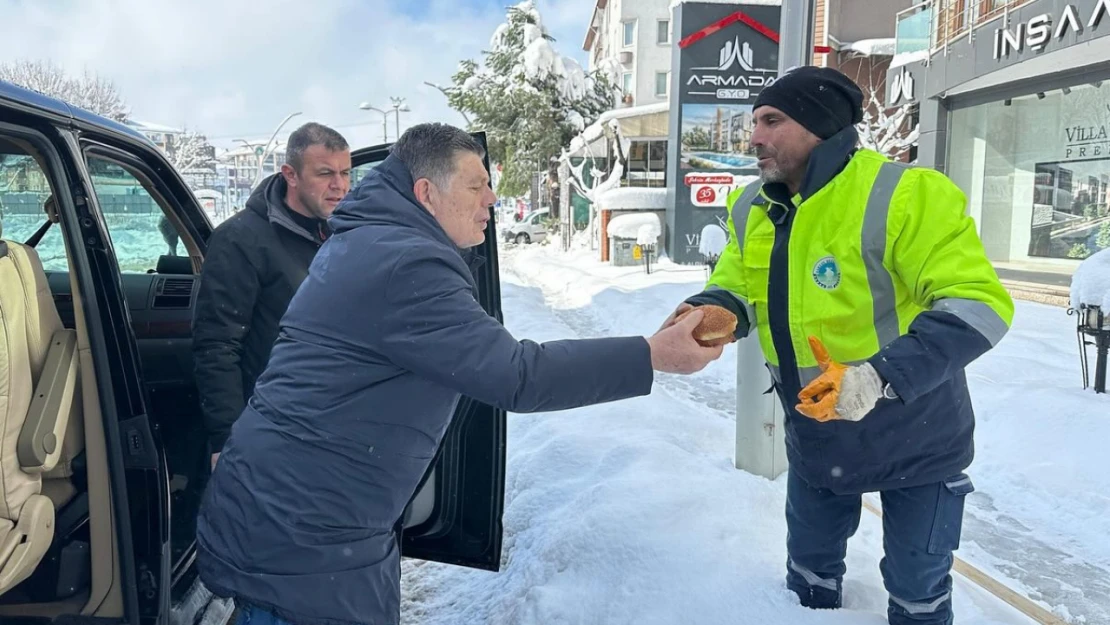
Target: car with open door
{"type": "Point", "coordinates": [105, 456]}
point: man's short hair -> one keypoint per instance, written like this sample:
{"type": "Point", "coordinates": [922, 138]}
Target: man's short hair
{"type": "Point", "coordinates": [307, 136]}
{"type": "Point", "coordinates": [429, 150]}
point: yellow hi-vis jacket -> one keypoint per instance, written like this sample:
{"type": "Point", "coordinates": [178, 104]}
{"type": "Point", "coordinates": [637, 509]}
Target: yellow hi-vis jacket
{"type": "Point", "coordinates": [881, 262]}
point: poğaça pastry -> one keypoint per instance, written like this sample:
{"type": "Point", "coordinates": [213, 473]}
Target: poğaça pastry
{"type": "Point", "coordinates": [716, 326]}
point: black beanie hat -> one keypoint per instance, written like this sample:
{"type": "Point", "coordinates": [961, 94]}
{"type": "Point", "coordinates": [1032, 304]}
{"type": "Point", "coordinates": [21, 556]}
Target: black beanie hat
{"type": "Point", "coordinates": [821, 99]}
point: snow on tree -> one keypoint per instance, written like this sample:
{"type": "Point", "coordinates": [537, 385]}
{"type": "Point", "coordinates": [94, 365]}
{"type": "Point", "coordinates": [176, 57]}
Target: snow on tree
{"type": "Point", "coordinates": [89, 91]}
{"type": "Point", "coordinates": [885, 130]}
{"type": "Point", "coordinates": [580, 147]}
{"type": "Point", "coordinates": [530, 100]}
{"type": "Point", "coordinates": [191, 152]}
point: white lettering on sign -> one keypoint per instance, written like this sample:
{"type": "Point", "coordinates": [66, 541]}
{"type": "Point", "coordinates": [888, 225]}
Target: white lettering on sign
{"type": "Point", "coordinates": [733, 94]}
{"type": "Point", "coordinates": [1035, 33]}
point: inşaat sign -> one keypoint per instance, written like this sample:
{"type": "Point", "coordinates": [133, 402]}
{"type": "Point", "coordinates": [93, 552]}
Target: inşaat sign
{"type": "Point", "coordinates": [1036, 32]}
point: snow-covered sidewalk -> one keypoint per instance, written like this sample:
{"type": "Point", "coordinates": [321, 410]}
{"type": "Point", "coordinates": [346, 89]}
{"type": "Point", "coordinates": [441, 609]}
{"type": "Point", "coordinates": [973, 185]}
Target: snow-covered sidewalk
{"type": "Point", "coordinates": [633, 512]}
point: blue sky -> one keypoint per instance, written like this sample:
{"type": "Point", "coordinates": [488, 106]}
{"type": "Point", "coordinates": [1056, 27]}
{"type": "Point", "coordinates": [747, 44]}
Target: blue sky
{"type": "Point", "coordinates": [234, 68]}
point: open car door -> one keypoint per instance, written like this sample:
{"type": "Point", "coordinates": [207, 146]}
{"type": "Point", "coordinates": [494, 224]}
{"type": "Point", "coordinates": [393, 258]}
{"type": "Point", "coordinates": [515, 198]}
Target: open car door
{"type": "Point", "coordinates": [455, 516]}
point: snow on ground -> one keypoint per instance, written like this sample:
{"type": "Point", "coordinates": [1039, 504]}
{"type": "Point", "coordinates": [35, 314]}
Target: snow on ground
{"type": "Point", "coordinates": [632, 512]}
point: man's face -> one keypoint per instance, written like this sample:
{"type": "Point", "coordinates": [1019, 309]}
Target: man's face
{"type": "Point", "coordinates": [324, 178]}
{"type": "Point", "coordinates": [462, 206]}
{"type": "Point", "coordinates": [782, 146]}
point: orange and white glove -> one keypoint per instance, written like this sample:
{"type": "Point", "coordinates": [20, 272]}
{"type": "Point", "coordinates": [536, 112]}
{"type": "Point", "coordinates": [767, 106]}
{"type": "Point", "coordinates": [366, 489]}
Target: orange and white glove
{"type": "Point", "coordinates": [840, 392]}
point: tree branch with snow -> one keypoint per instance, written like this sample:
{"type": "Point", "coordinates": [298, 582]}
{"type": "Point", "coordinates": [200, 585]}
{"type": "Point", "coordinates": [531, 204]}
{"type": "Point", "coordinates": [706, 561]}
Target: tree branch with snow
{"type": "Point", "coordinates": [529, 99]}
{"type": "Point", "coordinates": [89, 91]}
{"type": "Point", "coordinates": [885, 130]}
{"type": "Point", "coordinates": [191, 152]}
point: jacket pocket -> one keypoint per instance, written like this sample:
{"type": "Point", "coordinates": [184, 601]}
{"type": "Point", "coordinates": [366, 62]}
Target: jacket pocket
{"type": "Point", "coordinates": [948, 517]}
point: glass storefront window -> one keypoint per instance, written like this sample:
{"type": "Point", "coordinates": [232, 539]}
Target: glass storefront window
{"type": "Point", "coordinates": [1036, 171]}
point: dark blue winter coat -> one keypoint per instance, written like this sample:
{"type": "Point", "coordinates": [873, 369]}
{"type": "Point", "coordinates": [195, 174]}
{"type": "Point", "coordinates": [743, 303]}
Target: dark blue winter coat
{"type": "Point", "coordinates": [377, 347]}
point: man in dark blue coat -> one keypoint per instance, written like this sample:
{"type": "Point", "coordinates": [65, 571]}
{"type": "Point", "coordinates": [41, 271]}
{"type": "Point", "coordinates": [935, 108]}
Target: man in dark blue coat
{"type": "Point", "coordinates": [377, 346]}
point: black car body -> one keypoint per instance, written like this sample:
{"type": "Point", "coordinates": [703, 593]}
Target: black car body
{"type": "Point", "coordinates": [123, 547]}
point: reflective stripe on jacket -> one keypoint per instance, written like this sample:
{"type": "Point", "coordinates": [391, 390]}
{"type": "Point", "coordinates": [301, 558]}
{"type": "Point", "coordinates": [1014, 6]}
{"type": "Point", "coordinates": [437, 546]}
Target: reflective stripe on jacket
{"type": "Point", "coordinates": [880, 261]}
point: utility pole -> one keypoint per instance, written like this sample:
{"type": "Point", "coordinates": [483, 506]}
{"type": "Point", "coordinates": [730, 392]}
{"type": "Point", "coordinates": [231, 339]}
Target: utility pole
{"type": "Point", "coordinates": [760, 431]}
{"type": "Point", "coordinates": [796, 34]}
{"type": "Point", "coordinates": [397, 108]}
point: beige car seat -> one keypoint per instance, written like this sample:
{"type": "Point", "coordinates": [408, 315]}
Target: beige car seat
{"type": "Point", "coordinates": [38, 377]}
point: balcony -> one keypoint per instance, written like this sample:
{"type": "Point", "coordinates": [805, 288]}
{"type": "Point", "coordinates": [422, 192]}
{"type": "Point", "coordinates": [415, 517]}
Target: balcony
{"type": "Point", "coordinates": [931, 25]}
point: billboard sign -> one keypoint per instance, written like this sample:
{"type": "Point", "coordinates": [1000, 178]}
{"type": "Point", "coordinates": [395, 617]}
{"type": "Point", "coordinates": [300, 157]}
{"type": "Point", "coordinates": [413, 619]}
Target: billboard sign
{"type": "Point", "coordinates": [726, 55]}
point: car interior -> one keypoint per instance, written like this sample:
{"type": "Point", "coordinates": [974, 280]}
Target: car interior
{"type": "Point", "coordinates": [58, 552]}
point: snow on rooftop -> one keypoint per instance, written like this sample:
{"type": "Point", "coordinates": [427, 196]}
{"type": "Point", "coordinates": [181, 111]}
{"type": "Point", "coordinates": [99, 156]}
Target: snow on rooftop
{"type": "Point", "coordinates": [635, 111]}
{"type": "Point", "coordinates": [635, 226]}
{"type": "Point", "coordinates": [905, 58]}
{"type": "Point", "coordinates": [142, 126]}
{"type": "Point", "coordinates": [1090, 284]}
{"type": "Point", "coordinates": [872, 47]}
{"type": "Point", "coordinates": [625, 198]}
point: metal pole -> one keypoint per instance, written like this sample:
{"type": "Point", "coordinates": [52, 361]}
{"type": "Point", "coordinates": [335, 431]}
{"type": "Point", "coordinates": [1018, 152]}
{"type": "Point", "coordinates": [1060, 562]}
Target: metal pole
{"type": "Point", "coordinates": [760, 432]}
{"type": "Point", "coordinates": [796, 34]}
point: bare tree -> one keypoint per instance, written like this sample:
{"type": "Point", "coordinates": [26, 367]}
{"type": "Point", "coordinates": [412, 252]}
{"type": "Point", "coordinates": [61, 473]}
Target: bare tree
{"type": "Point", "coordinates": [89, 91]}
{"type": "Point", "coordinates": [191, 152]}
{"type": "Point", "coordinates": [887, 130]}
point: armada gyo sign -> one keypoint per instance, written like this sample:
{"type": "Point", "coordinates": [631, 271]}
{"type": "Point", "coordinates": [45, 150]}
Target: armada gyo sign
{"type": "Point", "coordinates": [726, 83]}
{"type": "Point", "coordinates": [1035, 33]}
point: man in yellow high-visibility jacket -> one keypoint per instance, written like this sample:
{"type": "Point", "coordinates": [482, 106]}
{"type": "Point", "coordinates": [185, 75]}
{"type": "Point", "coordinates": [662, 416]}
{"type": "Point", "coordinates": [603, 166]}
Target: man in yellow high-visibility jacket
{"type": "Point", "coordinates": [870, 292]}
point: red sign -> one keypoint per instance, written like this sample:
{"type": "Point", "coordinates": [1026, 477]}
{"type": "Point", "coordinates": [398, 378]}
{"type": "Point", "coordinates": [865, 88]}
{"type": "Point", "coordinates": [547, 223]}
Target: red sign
{"type": "Point", "coordinates": [743, 18]}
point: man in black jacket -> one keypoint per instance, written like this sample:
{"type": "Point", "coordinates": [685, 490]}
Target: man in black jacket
{"type": "Point", "coordinates": [255, 262]}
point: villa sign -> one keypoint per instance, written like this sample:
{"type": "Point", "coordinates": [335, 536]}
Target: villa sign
{"type": "Point", "coordinates": [1037, 32]}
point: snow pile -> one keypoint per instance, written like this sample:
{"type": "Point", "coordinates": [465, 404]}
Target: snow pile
{"type": "Point", "coordinates": [1090, 284]}
{"type": "Point", "coordinates": [629, 226]}
{"type": "Point", "coordinates": [633, 512]}
{"type": "Point", "coordinates": [632, 198]}
{"type": "Point", "coordinates": [905, 58]}
{"type": "Point", "coordinates": [712, 241]}
{"type": "Point", "coordinates": [872, 47]}
{"type": "Point", "coordinates": [648, 234]}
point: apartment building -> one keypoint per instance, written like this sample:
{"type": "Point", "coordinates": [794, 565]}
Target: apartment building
{"type": "Point", "coordinates": [637, 34]}
{"type": "Point", "coordinates": [1015, 109]}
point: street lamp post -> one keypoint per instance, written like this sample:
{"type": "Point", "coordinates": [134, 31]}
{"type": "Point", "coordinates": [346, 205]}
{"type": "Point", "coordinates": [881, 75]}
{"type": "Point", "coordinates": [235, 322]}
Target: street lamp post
{"type": "Point", "coordinates": [398, 107]}
{"type": "Point", "coordinates": [366, 107]}
{"type": "Point", "coordinates": [267, 149]}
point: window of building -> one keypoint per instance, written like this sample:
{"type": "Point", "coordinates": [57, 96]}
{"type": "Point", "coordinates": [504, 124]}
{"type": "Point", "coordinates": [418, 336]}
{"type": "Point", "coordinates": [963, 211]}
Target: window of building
{"type": "Point", "coordinates": [629, 33]}
{"type": "Point", "coordinates": [662, 80]}
{"type": "Point", "coordinates": [626, 83]}
{"type": "Point", "coordinates": [1040, 194]}
{"type": "Point", "coordinates": [647, 163]}
{"type": "Point", "coordinates": [663, 32]}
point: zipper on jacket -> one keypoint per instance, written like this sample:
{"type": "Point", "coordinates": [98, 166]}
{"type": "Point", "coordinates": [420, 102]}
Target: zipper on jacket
{"type": "Point", "coordinates": [778, 301]}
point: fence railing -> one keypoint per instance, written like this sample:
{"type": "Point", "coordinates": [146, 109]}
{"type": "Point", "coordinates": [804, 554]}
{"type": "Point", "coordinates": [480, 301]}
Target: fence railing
{"type": "Point", "coordinates": [932, 25]}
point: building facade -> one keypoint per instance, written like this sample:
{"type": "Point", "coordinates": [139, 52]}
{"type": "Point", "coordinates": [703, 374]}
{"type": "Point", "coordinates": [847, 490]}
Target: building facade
{"type": "Point", "coordinates": [1014, 109]}
{"type": "Point", "coordinates": [636, 34]}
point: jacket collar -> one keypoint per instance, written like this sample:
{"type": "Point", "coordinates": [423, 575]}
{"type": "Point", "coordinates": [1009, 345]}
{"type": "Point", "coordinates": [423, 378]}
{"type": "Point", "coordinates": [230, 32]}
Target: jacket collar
{"type": "Point", "coordinates": [269, 201]}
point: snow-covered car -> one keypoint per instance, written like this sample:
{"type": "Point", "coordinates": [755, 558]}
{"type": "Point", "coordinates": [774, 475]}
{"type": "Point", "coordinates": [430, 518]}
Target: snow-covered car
{"type": "Point", "coordinates": [100, 500]}
{"type": "Point", "coordinates": [531, 229]}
